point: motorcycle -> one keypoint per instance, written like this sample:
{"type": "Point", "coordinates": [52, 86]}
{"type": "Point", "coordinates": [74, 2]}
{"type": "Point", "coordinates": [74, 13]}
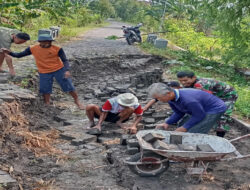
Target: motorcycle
{"type": "Point", "coordinates": [132, 34]}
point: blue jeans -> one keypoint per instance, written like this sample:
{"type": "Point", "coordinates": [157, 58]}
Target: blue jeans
{"type": "Point", "coordinates": [46, 82]}
{"type": "Point", "coordinates": [203, 126]}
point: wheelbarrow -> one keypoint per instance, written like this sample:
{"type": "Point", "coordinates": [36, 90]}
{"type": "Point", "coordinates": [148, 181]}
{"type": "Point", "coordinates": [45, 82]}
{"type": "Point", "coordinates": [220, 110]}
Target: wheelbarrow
{"type": "Point", "coordinates": [152, 162]}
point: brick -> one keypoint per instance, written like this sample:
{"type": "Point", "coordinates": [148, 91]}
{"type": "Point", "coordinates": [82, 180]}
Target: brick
{"type": "Point", "coordinates": [186, 147]}
{"type": "Point", "coordinates": [152, 137]}
{"type": "Point", "coordinates": [164, 146]}
{"type": "Point", "coordinates": [147, 113]}
{"type": "Point", "coordinates": [132, 150]}
{"type": "Point", "coordinates": [133, 143]}
{"type": "Point", "coordinates": [6, 179]}
{"type": "Point", "coordinates": [149, 120]}
{"type": "Point", "coordinates": [110, 89]}
{"type": "Point", "coordinates": [140, 86]}
{"type": "Point", "coordinates": [149, 126]}
{"type": "Point", "coordinates": [159, 116]}
{"type": "Point", "coordinates": [205, 148]}
{"type": "Point", "coordinates": [175, 139]}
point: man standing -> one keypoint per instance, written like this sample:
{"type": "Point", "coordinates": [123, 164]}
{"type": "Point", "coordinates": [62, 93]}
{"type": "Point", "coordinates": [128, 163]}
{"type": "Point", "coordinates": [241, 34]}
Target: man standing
{"type": "Point", "coordinates": [116, 110]}
{"type": "Point", "coordinates": [52, 63]}
{"type": "Point", "coordinates": [220, 89]}
{"type": "Point", "coordinates": [7, 37]}
{"type": "Point", "coordinates": [205, 109]}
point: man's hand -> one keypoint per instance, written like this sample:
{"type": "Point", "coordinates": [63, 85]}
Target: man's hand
{"type": "Point", "coordinates": [163, 125]}
{"type": "Point", "coordinates": [98, 126]}
{"type": "Point", "coordinates": [67, 74]}
{"type": "Point", "coordinates": [181, 129]}
{"type": "Point", "coordinates": [131, 129]}
{"type": "Point", "coordinates": [4, 50]}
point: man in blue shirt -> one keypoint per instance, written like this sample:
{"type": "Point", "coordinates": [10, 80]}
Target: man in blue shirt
{"type": "Point", "coordinates": [205, 109]}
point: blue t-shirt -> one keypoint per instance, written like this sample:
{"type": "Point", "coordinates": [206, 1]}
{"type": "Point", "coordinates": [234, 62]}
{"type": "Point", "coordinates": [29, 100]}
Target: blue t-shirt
{"type": "Point", "coordinates": [196, 103]}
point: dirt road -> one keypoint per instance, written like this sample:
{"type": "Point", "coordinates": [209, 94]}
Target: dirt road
{"type": "Point", "coordinates": [103, 68]}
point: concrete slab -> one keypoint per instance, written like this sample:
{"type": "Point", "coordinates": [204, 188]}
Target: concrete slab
{"type": "Point", "coordinates": [5, 178]}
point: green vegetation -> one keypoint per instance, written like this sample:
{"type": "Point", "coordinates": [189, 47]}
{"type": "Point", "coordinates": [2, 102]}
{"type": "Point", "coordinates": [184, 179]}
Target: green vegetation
{"type": "Point", "coordinates": [73, 16]}
{"type": "Point", "coordinates": [218, 30]}
{"type": "Point", "coordinates": [224, 72]}
{"type": "Point", "coordinates": [113, 37]}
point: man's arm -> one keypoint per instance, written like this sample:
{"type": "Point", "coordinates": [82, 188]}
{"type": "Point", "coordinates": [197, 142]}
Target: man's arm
{"type": "Point", "coordinates": [133, 128]}
{"type": "Point", "coordinates": [105, 109]}
{"type": "Point", "coordinates": [24, 53]}
{"type": "Point", "coordinates": [102, 118]}
{"type": "Point", "coordinates": [64, 59]}
{"type": "Point", "coordinates": [175, 117]}
{"type": "Point", "coordinates": [149, 104]}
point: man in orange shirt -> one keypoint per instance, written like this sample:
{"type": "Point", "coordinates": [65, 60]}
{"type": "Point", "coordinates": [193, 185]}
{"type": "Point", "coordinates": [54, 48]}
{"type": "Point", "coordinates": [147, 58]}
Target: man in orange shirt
{"type": "Point", "coordinates": [52, 63]}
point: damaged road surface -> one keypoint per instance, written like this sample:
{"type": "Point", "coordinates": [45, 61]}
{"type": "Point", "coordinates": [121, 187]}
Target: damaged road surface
{"type": "Point", "coordinates": [47, 147]}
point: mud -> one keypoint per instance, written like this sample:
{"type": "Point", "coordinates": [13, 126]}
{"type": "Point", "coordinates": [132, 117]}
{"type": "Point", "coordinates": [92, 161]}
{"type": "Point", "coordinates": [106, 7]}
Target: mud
{"type": "Point", "coordinates": [84, 162]}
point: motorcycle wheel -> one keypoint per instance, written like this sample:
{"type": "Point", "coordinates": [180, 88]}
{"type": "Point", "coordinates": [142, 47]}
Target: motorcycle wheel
{"type": "Point", "coordinates": [139, 39]}
{"type": "Point", "coordinates": [129, 41]}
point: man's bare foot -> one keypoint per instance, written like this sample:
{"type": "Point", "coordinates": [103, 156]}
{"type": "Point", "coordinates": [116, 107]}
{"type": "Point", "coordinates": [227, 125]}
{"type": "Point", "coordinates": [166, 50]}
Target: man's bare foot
{"type": "Point", "coordinates": [97, 127]}
{"type": "Point", "coordinates": [12, 73]}
{"type": "Point", "coordinates": [90, 124]}
{"type": "Point", "coordinates": [80, 105]}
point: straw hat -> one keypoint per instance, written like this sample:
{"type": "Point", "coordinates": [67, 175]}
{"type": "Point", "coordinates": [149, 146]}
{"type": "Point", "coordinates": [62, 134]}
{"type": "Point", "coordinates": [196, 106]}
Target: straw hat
{"type": "Point", "coordinates": [127, 99]}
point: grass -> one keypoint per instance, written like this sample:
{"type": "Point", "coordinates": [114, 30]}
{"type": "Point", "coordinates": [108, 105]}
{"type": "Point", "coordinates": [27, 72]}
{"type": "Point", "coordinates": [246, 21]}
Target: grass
{"type": "Point", "coordinates": [113, 37]}
{"type": "Point", "coordinates": [69, 30]}
{"type": "Point", "coordinates": [223, 72]}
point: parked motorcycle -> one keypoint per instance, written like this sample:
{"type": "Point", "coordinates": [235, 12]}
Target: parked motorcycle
{"type": "Point", "coordinates": [132, 34]}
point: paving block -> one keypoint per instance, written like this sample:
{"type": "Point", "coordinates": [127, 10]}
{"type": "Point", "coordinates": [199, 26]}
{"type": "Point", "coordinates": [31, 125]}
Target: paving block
{"type": "Point", "coordinates": [186, 147]}
{"type": "Point", "coordinates": [59, 118]}
{"type": "Point", "coordinates": [152, 137]}
{"type": "Point", "coordinates": [149, 126]}
{"type": "Point", "coordinates": [133, 143]}
{"type": "Point", "coordinates": [123, 139]}
{"type": "Point", "coordinates": [164, 146]}
{"type": "Point", "coordinates": [159, 116]}
{"type": "Point", "coordinates": [6, 98]}
{"type": "Point", "coordinates": [149, 120]}
{"type": "Point", "coordinates": [45, 31]}
{"type": "Point", "coordinates": [3, 79]}
{"type": "Point", "coordinates": [161, 43]}
{"type": "Point", "coordinates": [6, 179]}
{"type": "Point", "coordinates": [110, 89]}
{"type": "Point", "coordinates": [152, 110]}
{"type": "Point", "coordinates": [132, 150]}
{"type": "Point", "coordinates": [147, 113]}
{"type": "Point", "coordinates": [205, 148]}
{"type": "Point", "coordinates": [151, 38]}
{"type": "Point", "coordinates": [140, 86]}
{"type": "Point", "coordinates": [175, 139]}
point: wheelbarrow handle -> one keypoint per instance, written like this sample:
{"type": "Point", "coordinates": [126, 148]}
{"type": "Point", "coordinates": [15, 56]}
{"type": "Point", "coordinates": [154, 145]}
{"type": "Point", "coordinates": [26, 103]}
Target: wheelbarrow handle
{"type": "Point", "coordinates": [237, 154]}
{"type": "Point", "coordinates": [239, 138]}
{"type": "Point", "coordinates": [236, 157]}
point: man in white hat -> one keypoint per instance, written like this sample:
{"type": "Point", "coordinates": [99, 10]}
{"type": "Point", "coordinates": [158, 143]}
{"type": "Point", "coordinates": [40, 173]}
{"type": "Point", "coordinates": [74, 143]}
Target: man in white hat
{"type": "Point", "coordinates": [116, 110]}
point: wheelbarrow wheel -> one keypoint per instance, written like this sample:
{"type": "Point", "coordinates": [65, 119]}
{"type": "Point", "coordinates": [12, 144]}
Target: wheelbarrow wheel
{"type": "Point", "coordinates": [148, 170]}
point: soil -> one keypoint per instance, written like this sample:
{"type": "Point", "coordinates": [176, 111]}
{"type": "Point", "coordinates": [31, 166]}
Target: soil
{"type": "Point", "coordinates": [100, 69]}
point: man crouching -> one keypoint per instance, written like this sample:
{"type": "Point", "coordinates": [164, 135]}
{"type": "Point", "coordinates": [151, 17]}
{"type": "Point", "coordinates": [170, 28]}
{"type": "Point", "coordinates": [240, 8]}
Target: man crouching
{"type": "Point", "coordinates": [116, 110]}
